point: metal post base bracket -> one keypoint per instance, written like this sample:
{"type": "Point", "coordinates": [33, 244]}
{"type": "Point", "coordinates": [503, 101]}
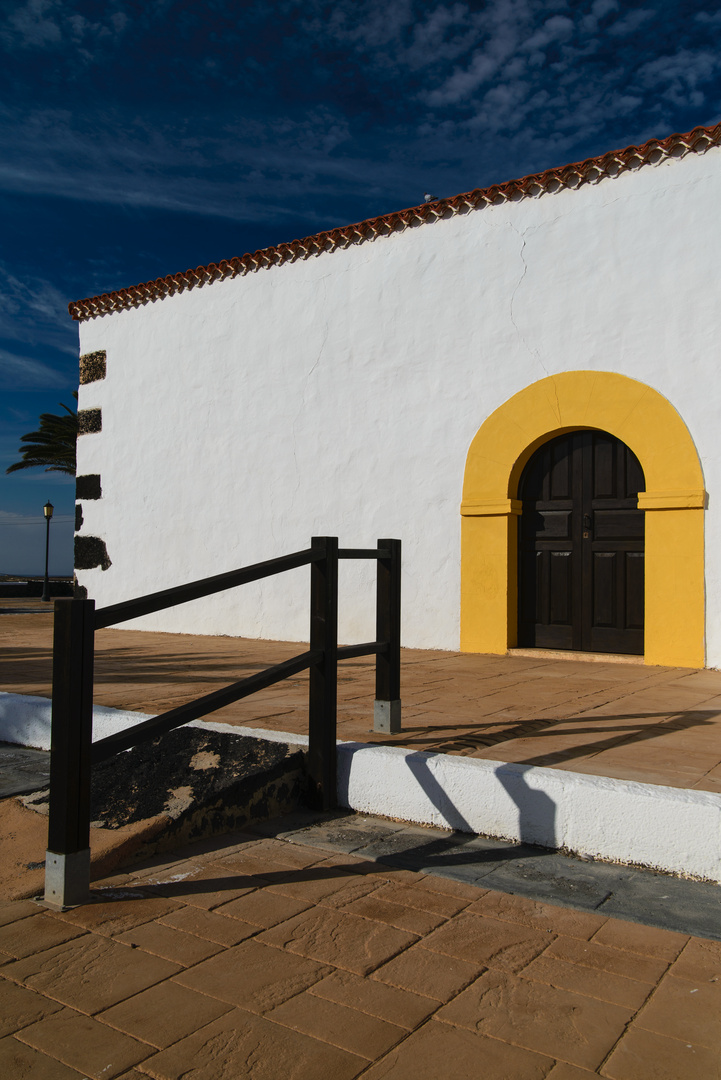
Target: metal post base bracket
{"type": "Point", "coordinates": [387, 716]}
{"type": "Point", "coordinates": [67, 879]}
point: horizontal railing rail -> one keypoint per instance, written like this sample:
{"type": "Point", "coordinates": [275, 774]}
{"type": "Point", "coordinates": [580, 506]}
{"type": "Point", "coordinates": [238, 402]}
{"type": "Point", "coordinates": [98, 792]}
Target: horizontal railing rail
{"type": "Point", "coordinates": [73, 752]}
{"type": "Point", "coordinates": [183, 714]}
{"type": "Point", "coordinates": [195, 590]}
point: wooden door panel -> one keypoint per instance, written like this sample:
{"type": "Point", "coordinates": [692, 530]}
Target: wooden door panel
{"type": "Point", "coordinates": [617, 525]}
{"type": "Point", "coordinates": [560, 602]}
{"type": "Point", "coordinates": [605, 579]}
{"type": "Point", "coordinates": [581, 543]}
{"type": "Point", "coordinates": [634, 568]}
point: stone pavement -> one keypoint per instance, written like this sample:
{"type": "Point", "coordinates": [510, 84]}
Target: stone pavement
{"type": "Point", "coordinates": [650, 724]}
{"type": "Point", "coordinates": [257, 957]}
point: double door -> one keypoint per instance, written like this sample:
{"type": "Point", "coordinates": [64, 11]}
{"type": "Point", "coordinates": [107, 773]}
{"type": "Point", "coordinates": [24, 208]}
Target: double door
{"type": "Point", "coordinates": [581, 546]}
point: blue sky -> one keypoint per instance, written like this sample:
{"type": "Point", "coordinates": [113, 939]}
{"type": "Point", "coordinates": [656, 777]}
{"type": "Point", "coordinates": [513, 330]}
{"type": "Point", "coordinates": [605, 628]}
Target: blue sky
{"type": "Point", "coordinates": [140, 139]}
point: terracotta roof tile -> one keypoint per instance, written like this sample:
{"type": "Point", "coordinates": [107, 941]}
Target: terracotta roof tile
{"type": "Point", "coordinates": [590, 171]}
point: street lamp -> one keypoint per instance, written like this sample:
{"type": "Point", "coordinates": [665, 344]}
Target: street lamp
{"type": "Point", "coordinates": [48, 511]}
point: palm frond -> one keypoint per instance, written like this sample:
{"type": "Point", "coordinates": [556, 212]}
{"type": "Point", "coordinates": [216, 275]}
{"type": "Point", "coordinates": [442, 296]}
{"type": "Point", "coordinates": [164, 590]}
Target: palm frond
{"type": "Point", "coordinates": [52, 446]}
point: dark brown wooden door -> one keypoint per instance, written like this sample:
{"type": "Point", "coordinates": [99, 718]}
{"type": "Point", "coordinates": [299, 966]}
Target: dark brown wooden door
{"type": "Point", "coordinates": [581, 546]}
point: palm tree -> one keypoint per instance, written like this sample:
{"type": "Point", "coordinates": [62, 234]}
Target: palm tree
{"type": "Point", "coordinates": [52, 445]}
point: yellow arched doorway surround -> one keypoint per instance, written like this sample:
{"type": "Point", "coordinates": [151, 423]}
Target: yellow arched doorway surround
{"type": "Point", "coordinates": [674, 501]}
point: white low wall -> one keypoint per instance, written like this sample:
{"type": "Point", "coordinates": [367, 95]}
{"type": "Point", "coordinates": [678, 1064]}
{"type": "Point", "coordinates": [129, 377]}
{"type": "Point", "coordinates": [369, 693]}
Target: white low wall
{"type": "Point", "coordinates": [673, 829]}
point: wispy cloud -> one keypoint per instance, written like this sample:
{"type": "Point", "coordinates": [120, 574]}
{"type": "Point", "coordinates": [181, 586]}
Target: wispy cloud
{"type": "Point", "coordinates": [53, 24]}
{"type": "Point", "coordinates": [23, 373]}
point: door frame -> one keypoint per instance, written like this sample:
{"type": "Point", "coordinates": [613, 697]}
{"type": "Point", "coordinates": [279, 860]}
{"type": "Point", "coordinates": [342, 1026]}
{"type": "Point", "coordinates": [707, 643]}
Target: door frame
{"type": "Point", "coordinates": [674, 500]}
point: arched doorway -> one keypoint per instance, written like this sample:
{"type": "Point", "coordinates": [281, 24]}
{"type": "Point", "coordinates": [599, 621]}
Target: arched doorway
{"type": "Point", "coordinates": [674, 501]}
{"type": "Point", "coordinates": [581, 546]}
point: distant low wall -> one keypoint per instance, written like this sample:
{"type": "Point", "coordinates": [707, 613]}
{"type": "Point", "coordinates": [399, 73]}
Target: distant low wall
{"type": "Point", "coordinates": [18, 590]}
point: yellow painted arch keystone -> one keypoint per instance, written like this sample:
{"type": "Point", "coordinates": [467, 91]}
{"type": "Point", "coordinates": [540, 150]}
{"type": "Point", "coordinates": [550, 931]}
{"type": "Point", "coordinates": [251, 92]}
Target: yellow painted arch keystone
{"type": "Point", "coordinates": [674, 502]}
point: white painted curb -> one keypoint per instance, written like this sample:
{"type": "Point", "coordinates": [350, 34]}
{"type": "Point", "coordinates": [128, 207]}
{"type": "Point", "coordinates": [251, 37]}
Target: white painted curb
{"type": "Point", "coordinates": [673, 829]}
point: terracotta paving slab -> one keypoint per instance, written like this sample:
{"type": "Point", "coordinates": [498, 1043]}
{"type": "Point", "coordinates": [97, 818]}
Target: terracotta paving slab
{"type": "Point", "coordinates": [254, 976]}
{"type": "Point", "coordinates": [401, 1007]}
{"type": "Point", "coordinates": [343, 940]}
{"type": "Point", "coordinates": [22, 1062]}
{"type": "Point", "coordinates": [683, 1010]}
{"type": "Point", "coordinates": [642, 1055]}
{"type": "Point", "coordinates": [488, 941]}
{"type": "Point", "coordinates": [20, 1007]}
{"type": "Point", "coordinates": [161, 986]}
{"type": "Point", "coordinates": [538, 916]}
{"type": "Point", "coordinates": [429, 973]}
{"type": "Point", "coordinates": [89, 973]}
{"type": "Point", "coordinates": [656, 725]}
{"type": "Point", "coordinates": [564, 1025]}
{"type": "Point", "coordinates": [604, 985]}
{"type": "Point", "coordinates": [442, 1047]}
{"type": "Point", "coordinates": [240, 1044]}
{"type": "Point", "coordinates": [367, 1036]}
{"type": "Point", "coordinates": [35, 934]}
{"type": "Point", "coordinates": [84, 1044]}
{"type": "Point", "coordinates": [164, 1014]}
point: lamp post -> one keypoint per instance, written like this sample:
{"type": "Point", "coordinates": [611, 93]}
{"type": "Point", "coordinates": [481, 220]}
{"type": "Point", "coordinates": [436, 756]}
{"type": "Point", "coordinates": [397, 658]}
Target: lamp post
{"type": "Point", "coordinates": [48, 511]}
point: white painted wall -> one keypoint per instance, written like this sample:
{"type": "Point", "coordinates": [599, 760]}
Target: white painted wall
{"type": "Point", "coordinates": [339, 395]}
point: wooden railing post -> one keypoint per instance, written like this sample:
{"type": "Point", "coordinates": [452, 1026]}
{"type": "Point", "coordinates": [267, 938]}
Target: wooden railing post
{"type": "Point", "coordinates": [67, 865]}
{"type": "Point", "coordinates": [387, 706]}
{"type": "Point", "coordinates": [323, 683]}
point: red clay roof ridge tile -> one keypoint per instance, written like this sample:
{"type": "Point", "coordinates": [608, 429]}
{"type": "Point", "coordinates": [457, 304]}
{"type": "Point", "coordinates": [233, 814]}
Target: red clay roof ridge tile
{"type": "Point", "coordinates": [590, 171]}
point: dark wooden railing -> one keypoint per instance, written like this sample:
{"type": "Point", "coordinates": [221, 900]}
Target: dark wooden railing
{"type": "Point", "coordinates": [73, 753]}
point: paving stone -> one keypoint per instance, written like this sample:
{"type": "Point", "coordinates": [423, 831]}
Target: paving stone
{"type": "Point", "coordinates": [280, 851]}
{"type": "Point", "coordinates": [90, 973]}
{"type": "Point", "coordinates": [591, 982]}
{"type": "Point", "coordinates": [242, 1045]}
{"type": "Point", "coordinates": [643, 1055]}
{"type": "Point", "coordinates": [685, 1011]}
{"type": "Point", "coordinates": [343, 834]}
{"type": "Point", "coordinates": [436, 903]}
{"type": "Point", "coordinates": [618, 962]}
{"type": "Point", "coordinates": [563, 1071]}
{"type": "Point", "coordinates": [692, 907]}
{"type": "Point", "coordinates": [436, 1049]}
{"type": "Point", "coordinates": [361, 1034]}
{"type": "Point", "coordinates": [207, 888]}
{"type": "Point", "coordinates": [578, 1030]}
{"type": "Point", "coordinates": [171, 944]}
{"type": "Point", "coordinates": [504, 945]}
{"type": "Point", "coordinates": [164, 1014]}
{"type": "Point", "coordinates": [345, 941]}
{"type": "Point", "coordinates": [220, 929]}
{"type": "Point", "coordinates": [313, 885]}
{"type": "Point", "coordinates": [405, 918]}
{"type": "Point", "coordinates": [263, 908]}
{"type": "Point", "coordinates": [413, 847]}
{"type": "Point", "coordinates": [446, 886]}
{"type": "Point", "coordinates": [538, 915]}
{"type": "Point", "coordinates": [114, 911]}
{"type": "Point", "coordinates": [84, 1044]}
{"type": "Point", "coordinates": [559, 879]}
{"type": "Point", "coordinates": [700, 959]}
{"type": "Point", "coordinates": [14, 910]}
{"type": "Point", "coordinates": [20, 1062]}
{"type": "Point", "coordinates": [359, 885]}
{"type": "Point", "coordinates": [428, 973]}
{"type": "Point", "coordinates": [645, 940]}
{"type": "Point", "coordinates": [20, 1007]}
{"type": "Point", "coordinates": [35, 934]}
{"type": "Point", "coordinates": [254, 976]}
{"type": "Point", "coordinates": [401, 1007]}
